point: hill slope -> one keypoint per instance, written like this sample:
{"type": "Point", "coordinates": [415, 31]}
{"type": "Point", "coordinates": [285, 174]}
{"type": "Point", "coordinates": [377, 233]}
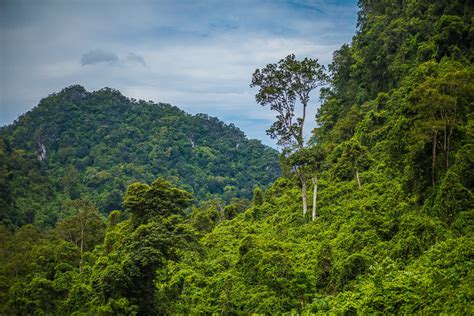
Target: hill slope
{"type": "Point", "coordinates": [395, 160]}
{"type": "Point", "coordinates": [92, 145]}
{"type": "Point", "coordinates": [394, 232]}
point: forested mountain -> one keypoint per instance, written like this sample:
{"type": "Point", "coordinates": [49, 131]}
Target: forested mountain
{"type": "Point", "coordinates": [393, 156]}
{"type": "Point", "coordinates": [91, 145]}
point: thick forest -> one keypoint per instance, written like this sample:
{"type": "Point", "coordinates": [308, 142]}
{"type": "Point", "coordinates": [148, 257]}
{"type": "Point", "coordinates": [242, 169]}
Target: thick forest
{"type": "Point", "coordinates": [81, 145]}
{"type": "Point", "coordinates": [392, 164]}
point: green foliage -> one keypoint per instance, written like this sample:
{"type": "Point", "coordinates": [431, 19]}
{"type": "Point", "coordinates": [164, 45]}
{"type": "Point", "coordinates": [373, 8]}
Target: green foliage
{"type": "Point", "coordinates": [123, 277]}
{"type": "Point", "coordinates": [37, 269]}
{"type": "Point", "coordinates": [85, 228]}
{"type": "Point", "coordinates": [24, 188]}
{"type": "Point", "coordinates": [92, 145]}
{"type": "Point", "coordinates": [397, 119]}
{"type": "Point", "coordinates": [394, 156]}
{"type": "Point", "coordinates": [160, 199]}
{"type": "Point", "coordinates": [281, 85]}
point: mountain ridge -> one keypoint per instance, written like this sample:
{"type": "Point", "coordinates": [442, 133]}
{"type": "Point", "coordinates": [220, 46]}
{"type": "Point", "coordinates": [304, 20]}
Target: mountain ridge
{"type": "Point", "coordinates": [102, 141]}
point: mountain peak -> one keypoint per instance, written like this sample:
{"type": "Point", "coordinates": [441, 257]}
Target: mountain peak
{"type": "Point", "coordinates": [73, 92]}
{"type": "Point", "coordinates": [98, 142]}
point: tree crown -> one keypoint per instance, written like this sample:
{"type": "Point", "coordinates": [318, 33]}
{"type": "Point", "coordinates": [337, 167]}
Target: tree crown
{"type": "Point", "coordinates": [281, 85]}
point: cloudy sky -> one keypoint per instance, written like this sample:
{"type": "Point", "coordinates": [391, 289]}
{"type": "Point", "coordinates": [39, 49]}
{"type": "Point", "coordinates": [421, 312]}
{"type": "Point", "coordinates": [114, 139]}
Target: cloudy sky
{"type": "Point", "coordinates": [198, 55]}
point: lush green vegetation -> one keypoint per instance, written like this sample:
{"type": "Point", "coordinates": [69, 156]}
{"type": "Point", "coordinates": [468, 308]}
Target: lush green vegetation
{"type": "Point", "coordinates": [92, 145]}
{"type": "Point", "coordinates": [394, 157]}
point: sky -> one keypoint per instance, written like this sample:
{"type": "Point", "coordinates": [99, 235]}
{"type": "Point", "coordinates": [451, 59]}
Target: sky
{"type": "Point", "coordinates": [198, 55]}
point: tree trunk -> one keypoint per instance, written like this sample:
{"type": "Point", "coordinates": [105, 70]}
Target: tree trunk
{"type": "Point", "coordinates": [301, 140]}
{"type": "Point", "coordinates": [433, 162]}
{"type": "Point", "coordinates": [221, 213]}
{"type": "Point", "coordinates": [303, 191]}
{"type": "Point", "coordinates": [358, 180]}
{"type": "Point", "coordinates": [82, 249]}
{"type": "Point", "coordinates": [445, 136]}
{"type": "Point", "coordinates": [447, 150]}
{"type": "Point", "coordinates": [445, 143]}
{"type": "Point", "coordinates": [315, 196]}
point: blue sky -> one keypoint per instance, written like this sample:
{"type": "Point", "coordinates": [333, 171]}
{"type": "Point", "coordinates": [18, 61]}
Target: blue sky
{"type": "Point", "coordinates": [197, 55]}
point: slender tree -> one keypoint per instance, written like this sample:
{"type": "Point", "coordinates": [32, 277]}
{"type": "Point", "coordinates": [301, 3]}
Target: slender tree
{"type": "Point", "coordinates": [311, 157]}
{"type": "Point", "coordinates": [282, 86]}
{"type": "Point", "coordinates": [85, 229]}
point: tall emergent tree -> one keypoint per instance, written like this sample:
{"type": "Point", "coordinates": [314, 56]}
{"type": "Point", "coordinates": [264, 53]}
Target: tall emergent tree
{"type": "Point", "coordinates": [282, 86]}
{"type": "Point", "coordinates": [140, 246]}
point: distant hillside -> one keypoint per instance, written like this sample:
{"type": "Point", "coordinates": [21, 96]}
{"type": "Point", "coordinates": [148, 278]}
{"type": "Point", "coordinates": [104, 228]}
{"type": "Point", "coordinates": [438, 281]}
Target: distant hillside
{"type": "Point", "coordinates": [394, 159]}
{"type": "Point", "coordinates": [94, 144]}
